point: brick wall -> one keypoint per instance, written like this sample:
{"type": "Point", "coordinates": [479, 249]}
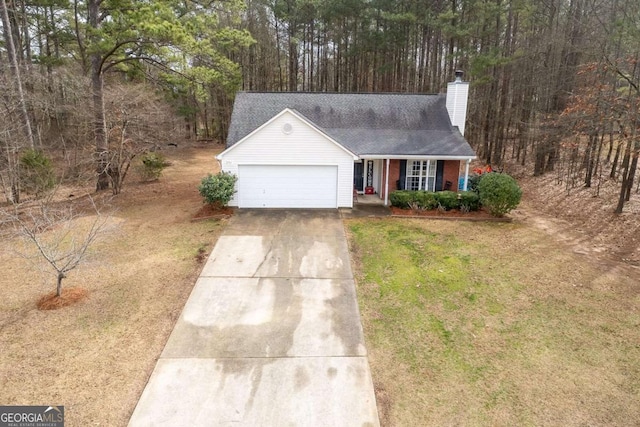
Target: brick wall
{"type": "Point", "coordinates": [394, 175]}
{"type": "Point", "coordinates": [450, 173]}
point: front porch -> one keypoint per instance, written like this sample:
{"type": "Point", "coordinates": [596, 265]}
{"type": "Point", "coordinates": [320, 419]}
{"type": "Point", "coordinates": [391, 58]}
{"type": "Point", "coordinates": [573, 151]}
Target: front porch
{"type": "Point", "coordinates": [368, 199]}
{"type": "Point", "coordinates": [382, 176]}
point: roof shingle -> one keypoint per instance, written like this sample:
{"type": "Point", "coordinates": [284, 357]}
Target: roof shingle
{"type": "Point", "coordinates": [364, 123]}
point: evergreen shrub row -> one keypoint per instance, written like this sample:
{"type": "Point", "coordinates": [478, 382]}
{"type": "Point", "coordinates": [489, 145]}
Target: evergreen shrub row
{"type": "Point", "coordinates": [427, 200]}
{"type": "Point", "coordinates": [499, 193]}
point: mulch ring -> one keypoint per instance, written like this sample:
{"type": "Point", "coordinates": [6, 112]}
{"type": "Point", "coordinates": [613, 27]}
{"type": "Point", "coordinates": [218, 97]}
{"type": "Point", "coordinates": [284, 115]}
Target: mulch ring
{"type": "Point", "coordinates": [208, 211]}
{"type": "Point", "coordinates": [68, 296]}
{"type": "Point", "coordinates": [456, 215]}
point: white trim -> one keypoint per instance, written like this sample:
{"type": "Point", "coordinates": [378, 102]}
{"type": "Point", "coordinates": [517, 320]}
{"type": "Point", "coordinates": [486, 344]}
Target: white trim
{"type": "Point", "coordinates": [466, 176]}
{"type": "Point", "coordinates": [377, 176]}
{"type": "Point", "coordinates": [427, 167]}
{"type": "Point", "coordinates": [298, 116]}
{"type": "Point", "coordinates": [415, 157]}
{"type": "Point", "coordinates": [386, 185]}
{"type": "Point", "coordinates": [296, 163]}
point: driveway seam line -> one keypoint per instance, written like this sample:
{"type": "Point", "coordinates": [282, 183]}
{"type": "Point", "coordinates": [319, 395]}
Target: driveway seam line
{"type": "Point", "coordinates": [268, 251]}
{"type": "Point", "coordinates": [261, 357]}
{"type": "Point", "coordinates": [276, 277]}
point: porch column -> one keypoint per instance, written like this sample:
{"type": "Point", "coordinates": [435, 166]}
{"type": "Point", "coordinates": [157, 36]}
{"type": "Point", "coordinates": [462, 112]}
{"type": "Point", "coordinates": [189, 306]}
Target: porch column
{"type": "Point", "coordinates": [466, 175]}
{"type": "Point", "coordinates": [386, 184]}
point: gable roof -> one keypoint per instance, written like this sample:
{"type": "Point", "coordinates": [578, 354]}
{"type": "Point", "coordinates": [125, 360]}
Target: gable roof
{"type": "Point", "coordinates": [374, 124]}
{"type": "Point", "coordinates": [299, 117]}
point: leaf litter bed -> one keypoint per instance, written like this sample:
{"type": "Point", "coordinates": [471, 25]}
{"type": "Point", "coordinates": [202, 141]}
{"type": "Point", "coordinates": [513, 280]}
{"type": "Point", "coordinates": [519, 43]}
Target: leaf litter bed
{"type": "Point", "coordinates": [68, 296]}
{"type": "Point", "coordinates": [208, 211]}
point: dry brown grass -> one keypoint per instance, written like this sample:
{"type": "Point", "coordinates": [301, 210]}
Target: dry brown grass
{"type": "Point", "coordinates": [95, 357]}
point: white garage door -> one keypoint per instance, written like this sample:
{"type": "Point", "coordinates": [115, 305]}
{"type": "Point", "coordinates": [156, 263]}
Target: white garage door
{"type": "Point", "coordinates": [280, 186]}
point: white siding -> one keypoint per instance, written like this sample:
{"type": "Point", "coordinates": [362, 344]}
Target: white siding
{"type": "Point", "coordinates": [304, 145]}
{"type": "Point", "coordinates": [457, 96]}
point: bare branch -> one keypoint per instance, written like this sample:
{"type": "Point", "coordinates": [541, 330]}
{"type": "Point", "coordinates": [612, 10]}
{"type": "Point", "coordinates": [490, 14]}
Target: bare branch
{"type": "Point", "coordinates": [56, 234]}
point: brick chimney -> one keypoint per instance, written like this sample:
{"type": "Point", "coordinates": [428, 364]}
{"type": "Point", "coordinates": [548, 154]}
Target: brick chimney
{"type": "Point", "coordinates": [457, 95]}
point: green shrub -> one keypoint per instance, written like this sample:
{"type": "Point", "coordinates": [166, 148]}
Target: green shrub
{"type": "Point", "coordinates": [469, 200]}
{"type": "Point", "coordinates": [153, 163]}
{"type": "Point", "coordinates": [218, 189]}
{"type": "Point", "coordinates": [499, 193]}
{"type": "Point", "coordinates": [401, 198]}
{"type": "Point", "coordinates": [472, 183]}
{"type": "Point", "coordinates": [425, 199]}
{"type": "Point", "coordinates": [36, 172]}
{"type": "Point", "coordinates": [447, 199]}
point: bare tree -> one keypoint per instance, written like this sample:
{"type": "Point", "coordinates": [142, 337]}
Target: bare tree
{"type": "Point", "coordinates": [59, 236]}
{"type": "Point", "coordinates": [138, 121]}
{"type": "Point", "coordinates": [9, 158]}
{"type": "Point", "coordinates": [15, 71]}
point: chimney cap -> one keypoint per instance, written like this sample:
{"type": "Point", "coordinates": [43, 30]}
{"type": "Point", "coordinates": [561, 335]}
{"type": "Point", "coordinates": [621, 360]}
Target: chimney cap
{"type": "Point", "coordinates": [459, 74]}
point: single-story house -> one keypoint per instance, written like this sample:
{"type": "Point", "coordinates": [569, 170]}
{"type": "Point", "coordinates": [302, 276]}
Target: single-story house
{"type": "Point", "coordinates": [313, 150]}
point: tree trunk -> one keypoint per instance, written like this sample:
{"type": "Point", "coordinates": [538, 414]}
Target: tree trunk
{"type": "Point", "coordinates": [625, 179]}
{"type": "Point", "coordinates": [280, 78]}
{"type": "Point", "coordinates": [99, 120]}
{"type": "Point", "coordinates": [99, 124]}
{"type": "Point", "coordinates": [631, 177]}
{"type": "Point", "coordinates": [187, 128]}
{"type": "Point", "coordinates": [15, 71]}
{"type": "Point", "coordinates": [610, 146]}
{"type": "Point", "coordinates": [590, 160]}
{"type": "Point", "coordinates": [78, 35]}
{"type": "Point", "coordinates": [540, 158]}
{"type": "Point", "coordinates": [14, 173]}
{"type": "Point", "coordinates": [616, 158]}
{"type": "Point", "coordinates": [59, 284]}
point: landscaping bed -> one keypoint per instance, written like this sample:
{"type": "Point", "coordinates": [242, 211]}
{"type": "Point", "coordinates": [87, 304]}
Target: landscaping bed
{"type": "Point", "coordinates": [479, 215]}
{"type": "Point", "coordinates": [208, 211]}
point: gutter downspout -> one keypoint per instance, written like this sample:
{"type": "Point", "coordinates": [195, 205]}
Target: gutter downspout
{"type": "Point", "coordinates": [466, 175]}
{"type": "Point", "coordinates": [386, 184]}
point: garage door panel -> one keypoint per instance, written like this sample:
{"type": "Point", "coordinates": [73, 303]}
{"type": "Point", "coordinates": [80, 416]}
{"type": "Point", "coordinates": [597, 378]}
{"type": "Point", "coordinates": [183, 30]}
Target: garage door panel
{"type": "Point", "coordinates": [287, 186]}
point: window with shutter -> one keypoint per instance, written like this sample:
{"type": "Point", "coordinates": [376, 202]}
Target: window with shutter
{"type": "Point", "coordinates": [421, 175]}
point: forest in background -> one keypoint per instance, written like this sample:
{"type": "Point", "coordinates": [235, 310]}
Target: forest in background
{"type": "Point", "coordinates": [555, 84]}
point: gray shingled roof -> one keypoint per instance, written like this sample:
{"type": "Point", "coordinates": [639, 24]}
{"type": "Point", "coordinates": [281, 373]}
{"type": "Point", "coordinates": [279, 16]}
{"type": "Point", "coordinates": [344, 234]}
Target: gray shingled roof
{"type": "Point", "coordinates": [364, 123]}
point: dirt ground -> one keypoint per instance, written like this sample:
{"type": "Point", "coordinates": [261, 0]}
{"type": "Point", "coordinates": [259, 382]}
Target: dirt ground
{"type": "Point", "coordinates": [95, 357]}
{"type": "Point", "coordinates": [581, 217]}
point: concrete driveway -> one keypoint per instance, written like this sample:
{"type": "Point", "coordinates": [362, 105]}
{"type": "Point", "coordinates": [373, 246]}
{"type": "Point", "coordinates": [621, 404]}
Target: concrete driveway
{"type": "Point", "coordinates": [271, 333]}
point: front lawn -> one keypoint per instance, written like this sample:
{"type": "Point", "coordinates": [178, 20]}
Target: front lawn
{"type": "Point", "coordinates": [494, 324]}
{"type": "Point", "coordinates": [95, 357]}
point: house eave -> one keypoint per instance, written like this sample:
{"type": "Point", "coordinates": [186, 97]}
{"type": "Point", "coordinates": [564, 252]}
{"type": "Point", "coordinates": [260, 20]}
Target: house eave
{"type": "Point", "coordinates": [414, 157]}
